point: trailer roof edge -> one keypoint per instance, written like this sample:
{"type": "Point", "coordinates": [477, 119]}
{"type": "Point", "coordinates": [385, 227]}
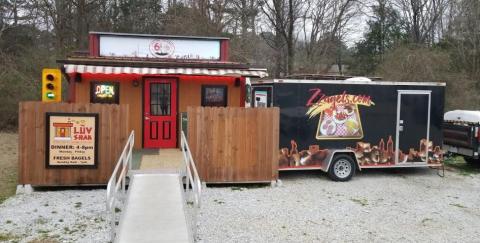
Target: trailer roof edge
{"type": "Point", "coordinates": [346, 82]}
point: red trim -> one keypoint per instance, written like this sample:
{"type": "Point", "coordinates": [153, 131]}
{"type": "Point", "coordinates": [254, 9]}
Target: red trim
{"type": "Point", "coordinates": [94, 45]}
{"type": "Point", "coordinates": [243, 91]}
{"type": "Point", "coordinates": [224, 45]}
{"type": "Point", "coordinates": [181, 77]}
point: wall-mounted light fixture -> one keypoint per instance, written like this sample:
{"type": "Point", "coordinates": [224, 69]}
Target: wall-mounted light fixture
{"type": "Point", "coordinates": [135, 83]}
{"type": "Point", "coordinates": [237, 82]}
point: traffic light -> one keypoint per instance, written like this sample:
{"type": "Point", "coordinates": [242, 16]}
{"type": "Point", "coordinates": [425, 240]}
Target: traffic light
{"type": "Point", "coordinates": [51, 85]}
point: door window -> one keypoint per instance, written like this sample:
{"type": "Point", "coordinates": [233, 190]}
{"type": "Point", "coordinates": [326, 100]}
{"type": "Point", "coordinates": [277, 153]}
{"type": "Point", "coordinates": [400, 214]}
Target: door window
{"type": "Point", "coordinates": [160, 99]}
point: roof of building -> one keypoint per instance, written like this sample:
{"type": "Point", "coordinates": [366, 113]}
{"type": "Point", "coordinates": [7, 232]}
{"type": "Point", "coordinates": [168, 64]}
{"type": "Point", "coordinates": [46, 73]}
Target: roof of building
{"type": "Point", "coordinates": [150, 62]}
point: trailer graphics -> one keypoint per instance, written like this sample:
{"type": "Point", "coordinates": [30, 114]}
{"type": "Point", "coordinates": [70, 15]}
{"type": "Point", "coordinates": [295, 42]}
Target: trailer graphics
{"type": "Point", "coordinates": [373, 124]}
{"type": "Point", "coordinates": [338, 114]}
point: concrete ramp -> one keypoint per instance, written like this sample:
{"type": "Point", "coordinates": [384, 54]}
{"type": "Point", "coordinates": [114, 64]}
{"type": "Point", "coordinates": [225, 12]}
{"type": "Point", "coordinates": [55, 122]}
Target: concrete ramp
{"type": "Point", "coordinates": [154, 211]}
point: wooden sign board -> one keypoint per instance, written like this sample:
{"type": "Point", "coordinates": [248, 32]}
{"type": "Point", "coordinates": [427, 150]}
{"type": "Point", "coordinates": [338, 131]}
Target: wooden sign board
{"type": "Point", "coordinates": [71, 140]}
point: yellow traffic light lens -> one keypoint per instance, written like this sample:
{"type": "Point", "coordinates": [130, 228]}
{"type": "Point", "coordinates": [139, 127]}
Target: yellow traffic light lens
{"type": "Point", "coordinates": [50, 86]}
{"type": "Point", "coordinates": [50, 95]}
{"type": "Point", "coordinates": [50, 77]}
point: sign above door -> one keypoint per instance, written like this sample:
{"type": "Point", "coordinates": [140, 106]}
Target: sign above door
{"type": "Point", "coordinates": [160, 47]}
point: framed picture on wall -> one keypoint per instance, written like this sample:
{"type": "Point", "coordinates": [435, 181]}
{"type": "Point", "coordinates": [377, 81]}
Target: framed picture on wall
{"type": "Point", "coordinates": [214, 95]}
{"type": "Point", "coordinates": [104, 92]}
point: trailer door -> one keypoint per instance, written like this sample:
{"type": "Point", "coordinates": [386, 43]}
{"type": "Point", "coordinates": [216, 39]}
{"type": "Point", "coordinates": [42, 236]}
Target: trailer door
{"type": "Point", "coordinates": [413, 127]}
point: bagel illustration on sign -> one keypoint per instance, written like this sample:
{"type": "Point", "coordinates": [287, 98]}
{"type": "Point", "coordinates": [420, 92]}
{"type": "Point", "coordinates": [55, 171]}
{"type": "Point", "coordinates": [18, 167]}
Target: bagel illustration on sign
{"type": "Point", "coordinates": [338, 114]}
{"type": "Point", "coordinates": [162, 48]}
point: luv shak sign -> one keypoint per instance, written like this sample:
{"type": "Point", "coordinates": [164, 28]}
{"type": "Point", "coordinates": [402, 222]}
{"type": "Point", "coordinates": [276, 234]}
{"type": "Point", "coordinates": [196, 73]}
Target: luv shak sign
{"type": "Point", "coordinates": [71, 139]}
{"type": "Point", "coordinates": [338, 114]}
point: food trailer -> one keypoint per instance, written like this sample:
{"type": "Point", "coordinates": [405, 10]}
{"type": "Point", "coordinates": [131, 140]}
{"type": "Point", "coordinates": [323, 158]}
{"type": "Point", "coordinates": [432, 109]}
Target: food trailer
{"type": "Point", "coordinates": [158, 76]}
{"type": "Point", "coordinates": [340, 126]}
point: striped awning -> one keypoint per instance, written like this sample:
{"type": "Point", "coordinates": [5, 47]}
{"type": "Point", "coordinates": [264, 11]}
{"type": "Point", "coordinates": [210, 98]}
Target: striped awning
{"type": "Point", "coordinates": [75, 68]}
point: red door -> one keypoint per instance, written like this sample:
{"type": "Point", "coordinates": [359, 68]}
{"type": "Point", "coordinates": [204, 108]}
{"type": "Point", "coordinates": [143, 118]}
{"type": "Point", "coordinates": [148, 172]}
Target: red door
{"type": "Point", "coordinates": [160, 113]}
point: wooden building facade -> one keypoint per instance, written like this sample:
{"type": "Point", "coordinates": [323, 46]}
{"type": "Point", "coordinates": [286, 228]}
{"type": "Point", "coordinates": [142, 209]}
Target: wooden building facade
{"type": "Point", "coordinates": [158, 77]}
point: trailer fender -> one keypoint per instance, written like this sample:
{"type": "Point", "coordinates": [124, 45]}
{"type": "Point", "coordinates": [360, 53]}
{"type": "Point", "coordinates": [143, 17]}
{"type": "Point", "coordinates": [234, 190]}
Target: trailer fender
{"type": "Point", "coordinates": [341, 151]}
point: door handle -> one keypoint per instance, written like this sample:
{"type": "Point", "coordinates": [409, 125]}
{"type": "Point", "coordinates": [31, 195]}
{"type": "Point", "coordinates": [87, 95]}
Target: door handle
{"type": "Point", "coordinates": [400, 128]}
{"type": "Point", "coordinates": [147, 118]}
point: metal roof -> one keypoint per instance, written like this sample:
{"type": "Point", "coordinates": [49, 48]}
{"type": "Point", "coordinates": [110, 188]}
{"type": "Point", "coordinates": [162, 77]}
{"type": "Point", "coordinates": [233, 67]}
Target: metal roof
{"type": "Point", "coordinates": [150, 62]}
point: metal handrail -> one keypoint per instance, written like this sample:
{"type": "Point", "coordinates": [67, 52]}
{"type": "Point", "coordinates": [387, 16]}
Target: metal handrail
{"type": "Point", "coordinates": [193, 179]}
{"type": "Point", "coordinates": [115, 183]}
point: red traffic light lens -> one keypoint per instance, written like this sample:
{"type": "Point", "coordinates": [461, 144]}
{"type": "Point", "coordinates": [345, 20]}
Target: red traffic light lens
{"type": "Point", "coordinates": [50, 86]}
{"type": "Point", "coordinates": [50, 77]}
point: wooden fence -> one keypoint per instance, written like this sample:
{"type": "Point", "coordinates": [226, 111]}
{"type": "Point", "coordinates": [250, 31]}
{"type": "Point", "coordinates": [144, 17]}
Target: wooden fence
{"type": "Point", "coordinates": [113, 132]}
{"type": "Point", "coordinates": [234, 144]}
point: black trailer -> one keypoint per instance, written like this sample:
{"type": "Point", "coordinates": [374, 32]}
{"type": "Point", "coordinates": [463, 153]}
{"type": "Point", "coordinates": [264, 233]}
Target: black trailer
{"type": "Point", "coordinates": [339, 126]}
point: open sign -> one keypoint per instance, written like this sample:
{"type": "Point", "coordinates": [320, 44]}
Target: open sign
{"type": "Point", "coordinates": [102, 92]}
{"type": "Point", "coordinates": [105, 91]}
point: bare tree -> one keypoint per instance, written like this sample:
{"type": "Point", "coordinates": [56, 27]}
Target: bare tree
{"type": "Point", "coordinates": [282, 17]}
{"type": "Point", "coordinates": [422, 18]}
{"type": "Point", "coordinates": [324, 23]}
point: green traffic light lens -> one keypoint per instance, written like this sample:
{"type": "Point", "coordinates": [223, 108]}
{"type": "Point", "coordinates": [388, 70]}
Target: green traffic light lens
{"type": "Point", "coordinates": [50, 95]}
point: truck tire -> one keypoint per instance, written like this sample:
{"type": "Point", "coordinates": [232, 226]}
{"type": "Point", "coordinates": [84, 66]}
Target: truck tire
{"type": "Point", "coordinates": [342, 168]}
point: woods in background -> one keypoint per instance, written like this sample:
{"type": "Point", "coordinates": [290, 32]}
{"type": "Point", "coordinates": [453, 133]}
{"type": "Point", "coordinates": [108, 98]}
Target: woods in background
{"type": "Point", "coordinates": [405, 40]}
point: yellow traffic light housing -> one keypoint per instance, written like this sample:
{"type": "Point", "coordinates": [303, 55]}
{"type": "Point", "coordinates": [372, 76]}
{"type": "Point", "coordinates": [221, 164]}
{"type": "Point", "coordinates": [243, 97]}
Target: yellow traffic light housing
{"type": "Point", "coordinates": [51, 85]}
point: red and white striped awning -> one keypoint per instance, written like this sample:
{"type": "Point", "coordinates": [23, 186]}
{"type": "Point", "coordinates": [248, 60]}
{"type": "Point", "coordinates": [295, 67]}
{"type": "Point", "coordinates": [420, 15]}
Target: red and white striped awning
{"type": "Point", "coordinates": [74, 68]}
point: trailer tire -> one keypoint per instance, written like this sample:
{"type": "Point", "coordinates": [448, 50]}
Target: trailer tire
{"type": "Point", "coordinates": [342, 168]}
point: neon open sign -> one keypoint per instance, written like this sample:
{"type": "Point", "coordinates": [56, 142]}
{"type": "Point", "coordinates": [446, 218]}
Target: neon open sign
{"type": "Point", "coordinates": [105, 91]}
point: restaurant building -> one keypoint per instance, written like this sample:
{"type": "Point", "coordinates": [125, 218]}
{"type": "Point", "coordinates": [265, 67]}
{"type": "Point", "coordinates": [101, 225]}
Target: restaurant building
{"type": "Point", "coordinates": [158, 76]}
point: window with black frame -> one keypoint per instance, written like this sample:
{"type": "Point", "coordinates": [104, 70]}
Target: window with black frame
{"type": "Point", "coordinates": [214, 95]}
{"type": "Point", "coordinates": [104, 92]}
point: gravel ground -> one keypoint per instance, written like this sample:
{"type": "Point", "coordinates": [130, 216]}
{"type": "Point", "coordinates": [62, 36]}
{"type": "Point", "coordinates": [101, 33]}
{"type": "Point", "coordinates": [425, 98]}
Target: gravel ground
{"type": "Point", "coordinates": [408, 205]}
{"type": "Point", "coordinates": [55, 216]}
{"type": "Point", "coordinates": [376, 206]}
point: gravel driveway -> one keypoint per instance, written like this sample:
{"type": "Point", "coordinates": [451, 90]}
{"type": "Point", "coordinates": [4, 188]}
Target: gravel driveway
{"type": "Point", "coordinates": [376, 206]}
{"type": "Point", "coordinates": [408, 205]}
{"type": "Point", "coordinates": [55, 216]}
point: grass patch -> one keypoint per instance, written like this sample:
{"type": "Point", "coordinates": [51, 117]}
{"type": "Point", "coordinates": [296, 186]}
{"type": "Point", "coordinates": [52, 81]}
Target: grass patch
{"type": "Point", "coordinates": [457, 205]}
{"type": "Point", "coordinates": [8, 165]}
{"type": "Point", "coordinates": [40, 220]}
{"type": "Point", "coordinates": [98, 220]}
{"type": "Point", "coordinates": [361, 201]}
{"type": "Point", "coordinates": [8, 222]}
{"type": "Point", "coordinates": [458, 164]}
{"type": "Point", "coordinates": [425, 220]}
{"type": "Point", "coordinates": [78, 204]}
{"type": "Point", "coordinates": [42, 231]}
{"type": "Point", "coordinates": [235, 188]}
{"type": "Point", "coordinates": [117, 210]}
{"type": "Point", "coordinates": [219, 201]}
{"type": "Point", "coordinates": [8, 237]}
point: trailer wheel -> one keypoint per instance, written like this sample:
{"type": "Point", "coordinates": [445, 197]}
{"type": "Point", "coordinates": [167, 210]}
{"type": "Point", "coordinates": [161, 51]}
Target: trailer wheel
{"type": "Point", "coordinates": [342, 168]}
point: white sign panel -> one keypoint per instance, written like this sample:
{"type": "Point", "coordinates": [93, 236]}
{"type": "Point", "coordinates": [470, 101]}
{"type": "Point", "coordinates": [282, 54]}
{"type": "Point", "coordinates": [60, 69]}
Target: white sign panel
{"type": "Point", "coordinates": [130, 46]}
{"type": "Point", "coordinates": [260, 98]}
